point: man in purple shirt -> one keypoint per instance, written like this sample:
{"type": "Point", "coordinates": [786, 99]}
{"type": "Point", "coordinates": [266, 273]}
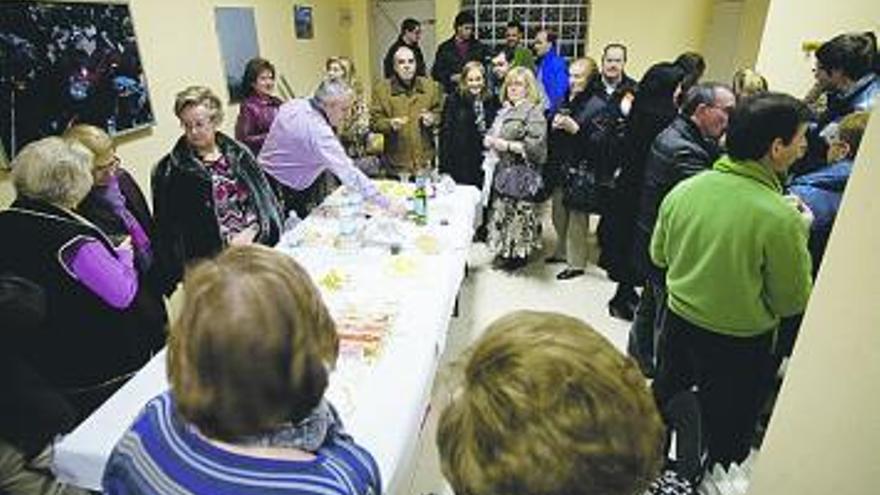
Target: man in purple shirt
{"type": "Point", "coordinates": [301, 144]}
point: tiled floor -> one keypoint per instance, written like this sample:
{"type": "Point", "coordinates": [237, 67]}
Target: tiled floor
{"type": "Point", "coordinates": [487, 294]}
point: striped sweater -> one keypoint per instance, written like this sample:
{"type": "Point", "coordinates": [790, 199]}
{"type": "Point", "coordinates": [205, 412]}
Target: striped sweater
{"type": "Point", "coordinates": [161, 454]}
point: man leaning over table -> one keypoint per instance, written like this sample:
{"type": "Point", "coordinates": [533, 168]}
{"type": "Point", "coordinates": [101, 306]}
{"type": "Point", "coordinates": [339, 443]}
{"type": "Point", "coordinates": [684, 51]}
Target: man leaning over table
{"type": "Point", "coordinates": [302, 144]}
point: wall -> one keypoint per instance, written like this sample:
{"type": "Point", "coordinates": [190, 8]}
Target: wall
{"type": "Point", "coordinates": [791, 22]}
{"type": "Point", "coordinates": [363, 50]}
{"type": "Point", "coordinates": [179, 47]}
{"type": "Point", "coordinates": [720, 44]}
{"type": "Point", "coordinates": [825, 432]}
{"type": "Point", "coordinates": [669, 28]}
{"type": "Point", "coordinates": [751, 30]}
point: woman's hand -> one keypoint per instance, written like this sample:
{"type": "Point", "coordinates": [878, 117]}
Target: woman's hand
{"type": "Point", "coordinates": [244, 237]}
{"type": "Point", "coordinates": [566, 123]}
{"type": "Point", "coordinates": [516, 147]}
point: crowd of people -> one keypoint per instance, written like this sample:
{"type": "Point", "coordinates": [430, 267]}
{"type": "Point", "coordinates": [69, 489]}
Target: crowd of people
{"type": "Point", "coordinates": [715, 203]}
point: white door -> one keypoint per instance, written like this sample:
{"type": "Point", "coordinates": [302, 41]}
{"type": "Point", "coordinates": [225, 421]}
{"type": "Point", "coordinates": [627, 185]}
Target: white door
{"type": "Point", "coordinates": [387, 16]}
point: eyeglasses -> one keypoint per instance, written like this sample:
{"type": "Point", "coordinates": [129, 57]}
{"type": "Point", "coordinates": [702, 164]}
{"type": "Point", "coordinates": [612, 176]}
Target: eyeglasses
{"type": "Point", "coordinates": [726, 109]}
{"type": "Point", "coordinates": [199, 125]}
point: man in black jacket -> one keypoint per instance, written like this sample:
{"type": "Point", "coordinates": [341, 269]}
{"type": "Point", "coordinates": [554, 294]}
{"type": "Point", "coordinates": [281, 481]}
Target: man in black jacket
{"type": "Point", "coordinates": [410, 35]}
{"type": "Point", "coordinates": [687, 147]}
{"type": "Point", "coordinates": [458, 50]}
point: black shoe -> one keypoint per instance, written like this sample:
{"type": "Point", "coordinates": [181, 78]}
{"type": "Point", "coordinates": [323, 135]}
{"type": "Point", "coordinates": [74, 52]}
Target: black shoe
{"type": "Point", "coordinates": [516, 263]}
{"type": "Point", "coordinates": [621, 309]}
{"type": "Point", "coordinates": [481, 234]}
{"type": "Point", "coordinates": [569, 273]}
{"type": "Point", "coordinates": [552, 260]}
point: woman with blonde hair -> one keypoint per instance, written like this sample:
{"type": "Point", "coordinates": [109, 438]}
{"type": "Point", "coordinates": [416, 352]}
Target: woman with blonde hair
{"type": "Point", "coordinates": [467, 116]}
{"type": "Point", "coordinates": [747, 82]}
{"type": "Point", "coordinates": [547, 406]}
{"type": "Point", "coordinates": [517, 144]}
{"type": "Point", "coordinates": [116, 204]}
{"type": "Point", "coordinates": [249, 360]}
{"type": "Point", "coordinates": [208, 192]}
{"type": "Point", "coordinates": [355, 132]}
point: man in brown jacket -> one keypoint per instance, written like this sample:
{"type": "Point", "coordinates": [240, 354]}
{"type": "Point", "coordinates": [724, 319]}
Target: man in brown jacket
{"type": "Point", "coordinates": [406, 110]}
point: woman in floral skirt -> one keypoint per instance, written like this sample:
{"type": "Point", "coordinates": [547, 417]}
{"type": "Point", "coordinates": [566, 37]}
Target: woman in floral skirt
{"type": "Point", "coordinates": [517, 145]}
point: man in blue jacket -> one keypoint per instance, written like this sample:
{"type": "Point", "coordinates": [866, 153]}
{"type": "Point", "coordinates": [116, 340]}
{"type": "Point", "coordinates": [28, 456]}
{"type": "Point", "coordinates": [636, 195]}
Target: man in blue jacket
{"type": "Point", "coordinates": [551, 71]}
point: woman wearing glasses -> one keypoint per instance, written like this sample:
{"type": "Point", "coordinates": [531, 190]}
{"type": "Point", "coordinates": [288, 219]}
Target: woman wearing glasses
{"type": "Point", "coordinates": [208, 192]}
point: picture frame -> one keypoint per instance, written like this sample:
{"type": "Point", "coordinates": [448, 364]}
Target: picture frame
{"type": "Point", "coordinates": [64, 63]}
{"type": "Point", "coordinates": [303, 22]}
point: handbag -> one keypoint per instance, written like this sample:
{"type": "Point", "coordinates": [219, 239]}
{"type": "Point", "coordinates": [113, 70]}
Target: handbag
{"type": "Point", "coordinates": [579, 191]}
{"type": "Point", "coordinates": [519, 181]}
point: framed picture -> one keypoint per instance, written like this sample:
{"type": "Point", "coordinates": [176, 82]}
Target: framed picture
{"type": "Point", "coordinates": [302, 22]}
{"type": "Point", "coordinates": [63, 63]}
{"type": "Point", "coordinates": [237, 34]}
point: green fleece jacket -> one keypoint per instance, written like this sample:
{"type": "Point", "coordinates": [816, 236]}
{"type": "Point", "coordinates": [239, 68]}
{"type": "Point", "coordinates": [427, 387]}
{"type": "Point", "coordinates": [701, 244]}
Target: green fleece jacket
{"type": "Point", "coordinates": [734, 250]}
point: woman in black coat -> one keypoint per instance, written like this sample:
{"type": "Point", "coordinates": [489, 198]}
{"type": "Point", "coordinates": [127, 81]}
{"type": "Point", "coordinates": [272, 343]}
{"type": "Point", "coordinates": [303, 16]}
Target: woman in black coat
{"type": "Point", "coordinates": [467, 115]}
{"type": "Point", "coordinates": [652, 111]}
{"type": "Point", "coordinates": [208, 192]}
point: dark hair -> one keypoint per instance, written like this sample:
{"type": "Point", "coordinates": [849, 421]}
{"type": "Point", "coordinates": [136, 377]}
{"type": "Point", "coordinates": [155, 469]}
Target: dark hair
{"type": "Point", "coordinates": [516, 24]}
{"type": "Point", "coordinates": [252, 71]}
{"type": "Point", "coordinates": [703, 93]}
{"type": "Point", "coordinates": [694, 66]}
{"type": "Point", "coordinates": [852, 53]}
{"type": "Point", "coordinates": [614, 45]}
{"type": "Point", "coordinates": [551, 35]}
{"type": "Point", "coordinates": [409, 24]}
{"type": "Point", "coordinates": [464, 17]}
{"type": "Point", "coordinates": [692, 62]}
{"type": "Point", "coordinates": [660, 81]}
{"type": "Point", "coordinates": [759, 119]}
{"type": "Point", "coordinates": [508, 54]}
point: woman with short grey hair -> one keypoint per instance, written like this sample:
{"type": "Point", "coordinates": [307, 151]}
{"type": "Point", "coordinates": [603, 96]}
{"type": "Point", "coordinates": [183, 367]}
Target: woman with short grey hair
{"type": "Point", "coordinates": [95, 333]}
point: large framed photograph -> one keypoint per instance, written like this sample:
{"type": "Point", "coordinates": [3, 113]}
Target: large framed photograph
{"type": "Point", "coordinates": [63, 63]}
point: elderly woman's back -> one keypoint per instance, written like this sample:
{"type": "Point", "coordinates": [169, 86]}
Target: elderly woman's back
{"type": "Point", "coordinates": [95, 332]}
{"type": "Point", "coordinates": [248, 362]}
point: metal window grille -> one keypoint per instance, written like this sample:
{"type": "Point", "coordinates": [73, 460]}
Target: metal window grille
{"type": "Point", "coordinates": [568, 18]}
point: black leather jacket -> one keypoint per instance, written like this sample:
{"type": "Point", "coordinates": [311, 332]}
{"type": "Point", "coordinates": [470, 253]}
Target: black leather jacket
{"type": "Point", "coordinates": [679, 152]}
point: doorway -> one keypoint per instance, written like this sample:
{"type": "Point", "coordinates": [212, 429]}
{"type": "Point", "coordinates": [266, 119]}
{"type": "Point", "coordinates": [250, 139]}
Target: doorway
{"type": "Point", "coordinates": [387, 16]}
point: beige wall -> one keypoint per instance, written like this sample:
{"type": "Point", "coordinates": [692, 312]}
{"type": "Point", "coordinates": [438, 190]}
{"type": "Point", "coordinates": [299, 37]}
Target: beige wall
{"type": "Point", "coordinates": [824, 436]}
{"type": "Point", "coordinates": [445, 11]}
{"type": "Point", "coordinates": [751, 30]}
{"type": "Point", "coordinates": [363, 51]}
{"type": "Point", "coordinates": [179, 47]}
{"type": "Point", "coordinates": [653, 31]}
{"type": "Point", "coordinates": [791, 22]}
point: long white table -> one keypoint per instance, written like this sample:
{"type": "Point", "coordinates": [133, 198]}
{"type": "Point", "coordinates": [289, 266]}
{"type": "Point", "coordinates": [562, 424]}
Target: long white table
{"type": "Point", "coordinates": [382, 404]}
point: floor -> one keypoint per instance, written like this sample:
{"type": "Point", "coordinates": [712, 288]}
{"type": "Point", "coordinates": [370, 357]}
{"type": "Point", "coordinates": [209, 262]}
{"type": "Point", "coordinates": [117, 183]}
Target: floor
{"type": "Point", "coordinates": [487, 294]}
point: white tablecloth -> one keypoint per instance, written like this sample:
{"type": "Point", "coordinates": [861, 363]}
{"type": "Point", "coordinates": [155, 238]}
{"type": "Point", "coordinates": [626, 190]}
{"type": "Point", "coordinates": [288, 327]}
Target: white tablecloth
{"type": "Point", "coordinates": [382, 404]}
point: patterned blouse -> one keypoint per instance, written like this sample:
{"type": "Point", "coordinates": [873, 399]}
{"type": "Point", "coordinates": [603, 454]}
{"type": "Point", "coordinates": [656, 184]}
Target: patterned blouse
{"type": "Point", "coordinates": [232, 202]}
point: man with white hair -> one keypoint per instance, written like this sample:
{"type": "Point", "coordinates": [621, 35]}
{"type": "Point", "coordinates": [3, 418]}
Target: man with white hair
{"type": "Point", "coordinates": [302, 144]}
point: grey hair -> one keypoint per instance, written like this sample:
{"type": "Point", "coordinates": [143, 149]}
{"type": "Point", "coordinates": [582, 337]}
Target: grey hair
{"type": "Point", "coordinates": [54, 170]}
{"type": "Point", "coordinates": [702, 93]}
{"type": "Point", "coordinates": [331, 90]}
{"type": "Point", "coordinates": [199, 95]}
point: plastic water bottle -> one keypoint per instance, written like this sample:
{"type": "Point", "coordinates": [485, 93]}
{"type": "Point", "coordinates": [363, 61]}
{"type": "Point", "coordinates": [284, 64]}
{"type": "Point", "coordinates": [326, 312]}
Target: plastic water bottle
{"type": "Point", "coordinates": [420, 200]}
{"type": "Point", "coordinates": [349, 218]}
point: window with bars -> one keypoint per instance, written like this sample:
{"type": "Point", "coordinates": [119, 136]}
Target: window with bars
{"type": "Point", "coordinates": [568, 18]}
